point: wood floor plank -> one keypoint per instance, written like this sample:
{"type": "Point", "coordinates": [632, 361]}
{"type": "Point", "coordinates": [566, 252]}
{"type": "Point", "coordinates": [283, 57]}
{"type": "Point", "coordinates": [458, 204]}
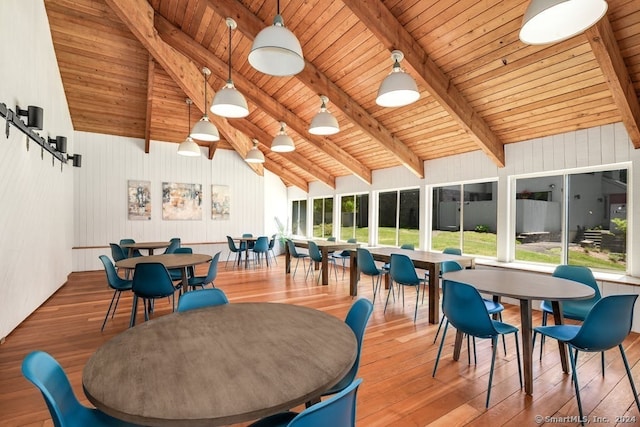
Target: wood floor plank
{"type": "Point", "coordinates": [396, 365]}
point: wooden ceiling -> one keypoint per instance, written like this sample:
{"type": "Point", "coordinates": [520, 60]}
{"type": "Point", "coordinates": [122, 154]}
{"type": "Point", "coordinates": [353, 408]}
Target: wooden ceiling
{"type": "Point", "coordinates": [128, 65]}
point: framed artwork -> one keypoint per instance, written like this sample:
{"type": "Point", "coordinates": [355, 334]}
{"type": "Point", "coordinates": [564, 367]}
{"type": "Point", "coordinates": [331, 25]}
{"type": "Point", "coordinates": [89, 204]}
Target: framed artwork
{"type": "Point", "coordinates": [181, 201]}
{"type": "Point", "coordinates": [139, 200]}
{"type": "Point", "coordinates": [220, 202]}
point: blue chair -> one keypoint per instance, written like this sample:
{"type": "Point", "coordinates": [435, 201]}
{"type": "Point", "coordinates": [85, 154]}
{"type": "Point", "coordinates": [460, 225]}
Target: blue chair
{"type": "Point", "coordinates": [403, 272]}
{"type": "Point", "coordinates": [260, 248]}
{"type": "Point", "coordinates": [316, 256]}
{"type": "Point", "coordinates": [233, 249]}
{"type": "Point", "coordinates": [136, 252]}
{"type": "Point", "coordinates": [151, 280]}
{"type": "Point", "coordinates": [408, 246]}
{"type": "Point", "coordinates": [117, 253]}
{"type": "Point", "coordinates": [572, 309]}
{"type": "Point", "coordinates": [367, 265]}
{"type": "Point", "coordinates": [243, 245]}
{"type": "Point", "coordinates": [293, 252]}
{"type": "Point", "coordinates": [272, 244]}
{"type": "Point", "coordinates": [344, 255]}
{"type": "Point", "coordinates": [176, 273]}
{"type": "Point", "coordinates": [116, 283]}
{"type": "Point", "coordinates": [212, 273]}
{"type": "Point", "coordinates": [605, 327]}
{"type": "Point", "coordinates": [201, 298]}
{"type": "Point", "coordinates": [338, 411]}
{"type": "Point", "coordinates": [43, 371]}
{"type": "Point", "coordinates": [174, 244]}
{"type": "Point", "coordinates": [465, 310]}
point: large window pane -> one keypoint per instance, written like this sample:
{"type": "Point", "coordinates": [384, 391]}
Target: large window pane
{"type": "Point", "coordinates": [597, 219]}
{"type": "Point", "coordinates": [299, 217]}
{"type": "Point", "coordinates": [409, 218]}
{"type": "Point", "coordinates": [323, 217]}
{"type": "Point", "coordinates": [354, 217]}
{"type": "Point", "coordinates": [387, 217]}
{"type": "Point", "coordinates": [327, 230]}
{"type": "Point", "coordinates": [445, 224]}
{"type": "Point", "coordinates": [480, 212]}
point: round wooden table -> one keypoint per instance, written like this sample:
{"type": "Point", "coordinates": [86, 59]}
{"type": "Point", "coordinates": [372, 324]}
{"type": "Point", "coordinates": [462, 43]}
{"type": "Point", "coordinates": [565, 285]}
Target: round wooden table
{"type": "Point", "coordinates": [170, 261]}
{"type": "Point", "coordinates": [219, 365]}
{"type": "Point", "coordinates": [149, 246]}
{"type": "Point", "coordinates": [525, 287]}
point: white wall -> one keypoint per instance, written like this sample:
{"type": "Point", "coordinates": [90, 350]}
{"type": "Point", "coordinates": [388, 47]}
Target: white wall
{"type": "Point", "coordinates": [100, 199]}
{"type": "Point", "coordinates": [36, 219]}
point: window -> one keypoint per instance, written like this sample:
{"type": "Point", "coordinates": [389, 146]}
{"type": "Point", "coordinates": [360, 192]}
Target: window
{"type": "Point", "coordinates": [578, 219]}
{"type": "Point", "coordinates": [299, 218]}
{"type": "Point", "coordinates": [354, 217]}
{"type": "Point", "coordinates": [323, 217]}
{"type": "Point", "coordinates": [399, 217]}
{"type": "Point", "coordinates": [472, 207]}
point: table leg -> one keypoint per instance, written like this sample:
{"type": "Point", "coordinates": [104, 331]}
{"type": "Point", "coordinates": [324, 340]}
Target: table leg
{"type": "Point", "coordinates": [325, 266]}
{"type": "Point", "coordinates": [246, 256]}
{"type": "Point", "coordinates": [353, 274]}
{"type": "Point", "coordinates": [287, 259]}
{"type": "Point", "coordinates": [457, 345]}
{"type": "Point", "coordinates": [150, 251]}
{"type": "Point", "coordinates": [434, 293]}
{"type": "Point", "coordinates": [185, 280]}
{"type": "Point", "coordinates": [527, 345]}
{"type": "Point", "coordinates": [562, 348]}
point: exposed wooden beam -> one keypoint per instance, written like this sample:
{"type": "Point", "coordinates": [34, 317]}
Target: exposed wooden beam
{"type": "Point", "coordinates": [147, 125]}
{"type": "Point", "coordinates": [607, 52]}
{"type": "Point", "coordinates": [138, 15]}
{"type": "Point", "coordinates": [286, 174]}
{"type": "Point", "coordinates": [182, 42]}
{"type": "Point", "coordinates": [384, 25]}
{"type": "Point", "coordinates": [213, 146]}
{"type": "Point", "coordinates": [250, 25]}
{"type": "Point", "coordinates": [185, 44]}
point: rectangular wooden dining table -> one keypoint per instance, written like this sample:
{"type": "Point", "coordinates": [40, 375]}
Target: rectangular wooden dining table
{"type": "Point", "coordinates": [425, 260]}
{"type": "Point", "coordinates": [325, 247]}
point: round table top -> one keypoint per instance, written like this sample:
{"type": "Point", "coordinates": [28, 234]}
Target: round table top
{"type": "Point", "coordinates": [146, 245]}
{"type": "Point", "coordinates": [522, 285]}
{"type": "Point", "coordinates": [169, 260]}
{"type": "Point", "coordinates": [219, 365]}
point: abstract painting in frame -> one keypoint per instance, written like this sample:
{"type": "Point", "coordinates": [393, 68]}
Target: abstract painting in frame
{"type": "Point", "coordinates": [139, 200]}
{"type": "Point", "coordinates": [220, 202]}
{"type": "Point", "coordinates": [181, 201]}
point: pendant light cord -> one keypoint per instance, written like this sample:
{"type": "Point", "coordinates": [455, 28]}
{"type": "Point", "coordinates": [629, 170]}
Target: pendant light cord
{"type": "Point", "coordinates": [230, 54]}
{"type": "Point", "coordinates": [278, 7]}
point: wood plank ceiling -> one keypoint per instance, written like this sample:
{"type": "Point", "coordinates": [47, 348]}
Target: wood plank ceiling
{"type": "Point", "coordinates": [128, 65]}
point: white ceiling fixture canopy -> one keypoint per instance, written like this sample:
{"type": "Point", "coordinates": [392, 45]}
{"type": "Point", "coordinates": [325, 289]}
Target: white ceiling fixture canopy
{"type": "Point", "coordinates": [282, 143]}
{"type": "Point", "coordinates": [276, 51]}
{"type": "Point", "coordinates": [204, 129]}
{"type": "Point", "coordinates": [229, 102]}
{"type": "Point", "coordinates": [398, 88]}
{"type": "Point", "coordinates": [254, 155]}
{"type": "Point", "coordinates": [189, 147]}
{"type": "Point", "coordinates": [324, 123]}
{"type": "Point", "coordinates": [552, 21]}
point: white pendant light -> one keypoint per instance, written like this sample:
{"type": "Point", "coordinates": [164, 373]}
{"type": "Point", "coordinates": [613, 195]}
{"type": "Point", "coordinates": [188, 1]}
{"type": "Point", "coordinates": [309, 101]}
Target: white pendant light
{"type": "Point", "coordinates": [551, 21]}
{"type": "Point", "coordinates": [254, 155]}
{"type": "Point", "coordinates": [276, 50]}
{"type": "Point", "coordinates": [282, 143]}
{"type": "Point", "coordinates": [204, 129]}
{"type": "Point", "coordinates": [229, 102]}
{"type": "Point", "coordinates": [324, 123]}
{"type": "Point", "coordinates": [189, 147]}
{"type": "Point", "coordinates": [398, 88]}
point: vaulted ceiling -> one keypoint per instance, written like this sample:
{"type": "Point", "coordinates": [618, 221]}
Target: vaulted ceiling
{"type": "Point", "coordinates": [127, 67]}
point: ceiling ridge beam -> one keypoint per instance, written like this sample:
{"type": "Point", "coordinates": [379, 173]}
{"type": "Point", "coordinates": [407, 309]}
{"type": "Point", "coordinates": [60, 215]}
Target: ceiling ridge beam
{"type": "Point", "coordinates": [151, 72]}
{"type": "Point", "coordinates": [607, 52]}
{"type": "Point", "coordinates": [185, 44]}
{"type": "Point", "coordinates": [386, 27]}
{"type": "Point", "coordinates": [138, 15]}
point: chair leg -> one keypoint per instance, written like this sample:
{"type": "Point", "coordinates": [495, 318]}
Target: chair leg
{"type": "Point", "coordinates": [444, 334]}
{"type": "Point", "coordinates": [602, 362]}
{"type": "Point", "coordinates": [439, 326]}
{"type": "Point", "coordinates": [494, 342]}
{"type": "Point", "coordinates": [573, 359]}
{"type": "Point", "coordinates": [415, 312]}
{"type": "Point", "coordinates": [374, 284]}
{"type": "Point", "coordinates": [631, 383]}
{"type": "Point", "coordinates": [518, 356]}
{"type": "Point", "coordinates": [106, 316]}
{"type": "Point", "coordinates": [387, 301]}
{"type": "Point", "coordinates": [134, 310]}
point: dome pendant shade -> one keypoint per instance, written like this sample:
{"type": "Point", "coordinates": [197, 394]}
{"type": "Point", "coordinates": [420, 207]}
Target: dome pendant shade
{"type": "Point", "coordinates": [398, 88]}
{"type": "Point", "coordinates": [229, 102]}
{"type": "Point", "coordinates": [282, 143]}
{"type": "Point", "coordinates": [189, 148]}
{"type": "Point", "coordinates": [276, 51]}
{"type": "Point", "coordinates": [204, 130]}
{"type": "Point", "coordinates": [551, 21]}
{"type": "Point", "coordinates": [254, 155]}
{"type": "Point", "coordinates": [324, 123]}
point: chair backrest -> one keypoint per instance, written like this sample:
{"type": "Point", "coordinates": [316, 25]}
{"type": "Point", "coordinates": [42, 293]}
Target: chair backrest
{"type": "Point", "coordinates": [152, 280]}
{"type": "Point", "coordinates": [117, 253]}
{"type": "Point", "coordinates": [580, 274]}
{"type": "Point", "coordinates": [292, 249]}
{"type": "Point", "coordinates": [183, 250]}
{"type": "Point", "coordinates": [202, 298]}
{"type": "Point", "coordinates": [352, 240]}
{"type": "Point", "coordinates": [452, 251]}
{"type": "Point", "coordinates": [607, 324]}
{"type": "Point", "coordinates": [247, 235]}
{"type": "Point", "coordinates": [331, 239]}
{"type": "Point", "coordinates": [115, 281]}
{"type": "Point", "coordinates": [174, 244]}
{"type": "Point", "coordinates": [136, 252]}
{"type": "Point", "coordinates": [47, 375]}
{"type": "Point", "coordinates": [232, 244]}
{"type": "Point", "coordinates": [366, 263]}
{"type": "Point", "coordinates": [314, 252]}
{"type": "Point", "coordinates": [212, 273]}
{"type": "Point", "coordinates": [465, 310]}
{"type": "Point", "coordinates": [357, 319]}
{"type": "Point", "coordinates": [408, 246]}
{"type": "Point", "coordinates": [338, 410]}
{"type": "Point", "coordinates": [272, 242]}
{"type": "Point", "coordinates": [449, 266]}
{"type": "Point", "coordinates": [402, 270]}
{"type": "Point", "coordinates": [262, 244]}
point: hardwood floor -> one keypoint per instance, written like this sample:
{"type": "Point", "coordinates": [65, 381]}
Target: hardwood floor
{"type": "Point", "coordinates": [396, 365]}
